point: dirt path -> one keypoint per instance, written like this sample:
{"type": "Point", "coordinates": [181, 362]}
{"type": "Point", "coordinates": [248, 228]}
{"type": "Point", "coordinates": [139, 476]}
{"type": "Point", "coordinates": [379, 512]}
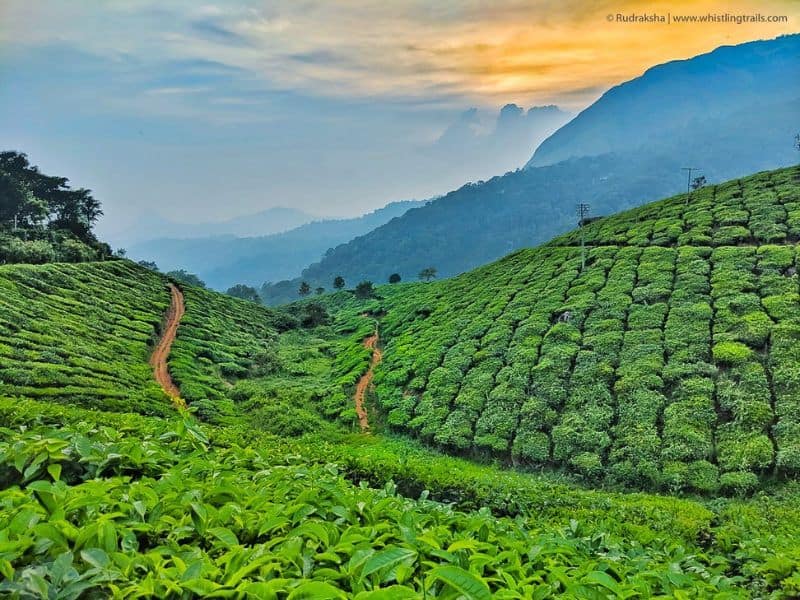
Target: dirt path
{"type": "Point", "coordinates": [158, 360]}
{"type": "Point", "coordinates": [371, 343]}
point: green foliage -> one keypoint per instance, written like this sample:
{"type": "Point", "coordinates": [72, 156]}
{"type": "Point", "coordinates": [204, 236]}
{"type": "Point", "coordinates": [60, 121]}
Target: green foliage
{"type": "Point", "coordinates": [364, 290]}
{"type": "Point", "coordinates": [42, 219]}
{"type": "Point", "coordinates": [244, 292]}
{"type": "Point", "coordinates": [184, 278]}
{"type": "Point", "coordinates": [667, 362]}
{"type": "Point", "coordinates": [166, 507]}
{"type": "Point", "coordinates": [731, 353]}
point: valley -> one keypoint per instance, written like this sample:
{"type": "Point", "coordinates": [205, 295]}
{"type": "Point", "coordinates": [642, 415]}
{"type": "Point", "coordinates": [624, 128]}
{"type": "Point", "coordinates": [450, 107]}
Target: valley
{"type": "Point", "coordinates": [578, 405]}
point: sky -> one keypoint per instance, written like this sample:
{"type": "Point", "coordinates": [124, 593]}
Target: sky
{"type": "Point", "coordinates": [194, 112]}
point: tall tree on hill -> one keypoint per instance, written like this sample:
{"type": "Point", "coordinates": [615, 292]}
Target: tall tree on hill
{"type": "Point", "coordinates": [394, 278]}
{"type": "Point", "coordinates": [305, 289]}
{"type": "Point", "coordinates": [365, 290]}
{"type": "Point", "coordinates": [427, 274]}
{"type": "Point", "coordinates": [338, 282]}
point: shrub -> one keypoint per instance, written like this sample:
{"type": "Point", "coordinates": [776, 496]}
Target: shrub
{"type": "Point", "coordinates": [703, 476]}
{"type": "Point", "coordinates": [738, 482]}
{"type": "Point", "coordinates": [731, 353]}
{"type": "Point", "coordinates": [75, 251]}
{"type": "Point", "coordinates": [35, 252]}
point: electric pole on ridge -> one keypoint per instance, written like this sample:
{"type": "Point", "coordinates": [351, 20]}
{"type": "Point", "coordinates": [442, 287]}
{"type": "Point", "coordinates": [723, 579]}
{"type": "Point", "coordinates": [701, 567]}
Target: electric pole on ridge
{"type": "Point", "coordinates": [583, 212]}
{"type": "Point", "coordinates": [689, 181]}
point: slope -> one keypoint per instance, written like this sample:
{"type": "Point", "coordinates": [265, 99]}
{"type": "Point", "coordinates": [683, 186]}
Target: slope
{"type": "Point", "coordinates": [739, 118]}
{"type": "Point", "coordinates": [83, 334]}
{"type": "Point", "coordinates": [747, 80]}
{"type": "Point", "coordinates": [107, 503]}
{"type": "Point", "coordinates": [667, 363]}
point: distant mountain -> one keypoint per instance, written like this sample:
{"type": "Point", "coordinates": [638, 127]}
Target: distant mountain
{"type": "Point", "coordinates": [266, 222]}
{"type": "Point", "coordinates": [491, 144]}
{"type": "Point", "coordinates": [737, 129]}
{"type": "Point", "coordinates": [676, 95]}
{"type": "Point", "coordinates": [222, 261]}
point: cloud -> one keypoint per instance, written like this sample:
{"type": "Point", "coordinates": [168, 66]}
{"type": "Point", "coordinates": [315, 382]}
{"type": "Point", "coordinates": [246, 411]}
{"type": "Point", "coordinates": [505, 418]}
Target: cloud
{"type": "Point", "coordinates": [209, 29]}
{"type": "Point", "coordinates": [448, 52]}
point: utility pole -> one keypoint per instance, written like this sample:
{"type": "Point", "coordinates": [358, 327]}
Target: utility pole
{"type": "Point", "coordinates": [583, 212]}
{"type": "Point", "coordinates": [689, 181]}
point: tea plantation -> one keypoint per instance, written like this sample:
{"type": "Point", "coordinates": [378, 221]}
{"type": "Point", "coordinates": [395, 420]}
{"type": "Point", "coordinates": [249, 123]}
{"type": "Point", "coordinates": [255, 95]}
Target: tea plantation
{"type": "Point", "coordinates": [670, 362]}
{"type": "Point", "coordinates": [669, 365]}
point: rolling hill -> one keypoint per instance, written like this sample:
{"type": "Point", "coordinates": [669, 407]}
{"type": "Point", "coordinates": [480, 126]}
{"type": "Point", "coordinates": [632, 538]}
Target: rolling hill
{"type": "Point", "coordinates": [731, 129]}
{"type": "Point", "coordinates": [668, 362]}
{"type": "Point", "coordinates": [675, 363]}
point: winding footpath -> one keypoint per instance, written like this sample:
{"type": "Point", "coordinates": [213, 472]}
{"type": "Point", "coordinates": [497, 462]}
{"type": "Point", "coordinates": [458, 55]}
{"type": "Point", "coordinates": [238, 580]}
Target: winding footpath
{"type": "Point", "coordinates": [371, 343]}
{"type": "Point", "coordinates": [158, 360]}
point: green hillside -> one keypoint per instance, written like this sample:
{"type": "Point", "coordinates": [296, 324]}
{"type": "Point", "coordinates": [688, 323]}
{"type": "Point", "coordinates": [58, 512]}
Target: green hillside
{"type": "Point", "coordinates": [669, 362]}
{"type": "Point", "coordinates": [83, 334]}
{"type": "Point", "coordinates": [674, 370]}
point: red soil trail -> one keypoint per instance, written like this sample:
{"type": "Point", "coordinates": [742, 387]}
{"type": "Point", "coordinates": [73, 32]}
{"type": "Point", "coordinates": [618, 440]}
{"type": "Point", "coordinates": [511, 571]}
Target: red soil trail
{"type": "Point", "coordinates": [371, 343]}
{"type": "Point", "coordinates": [158, 360]}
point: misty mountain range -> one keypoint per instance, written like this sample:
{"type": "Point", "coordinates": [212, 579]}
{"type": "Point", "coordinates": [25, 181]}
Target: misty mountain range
{"type": "Point", "coordinates": [266, 222]}
{"type": "Point", "coordinates": [625, 149]}
{"type": "Point", "coordinates": [223, 261]}
{"type": "Point", "coordinates": [476, 142]}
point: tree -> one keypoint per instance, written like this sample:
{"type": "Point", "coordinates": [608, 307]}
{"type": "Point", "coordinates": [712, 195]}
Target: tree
{"type": "Point", "coordinates": [699, 182]}
{"type": "Point", "coordinates": [394, 278]}
{"type": "Point", "coordinates": [314, 315]}
{"type": "Point", "coordinates": [319, 291]}
{"type": "Point", "coordinates": [304, 289]}
{"type": "Point", "coordinates": [148, 264]}
{"type": "Point", "coordinates": [186, 278]}
{"type": "Point", "coordinates": [338, 282]}
{"type": "Point", "coordinates": [427, 274]}
{"type": "Point", "coordinates": [39, 207]}
{"type": "Point", "coordinates": [245, 292]}
{"type": "Point", "coordinates": [365, 290]}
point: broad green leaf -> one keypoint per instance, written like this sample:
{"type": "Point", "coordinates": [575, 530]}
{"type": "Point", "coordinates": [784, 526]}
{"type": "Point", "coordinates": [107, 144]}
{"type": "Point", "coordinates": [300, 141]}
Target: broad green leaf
{"type": "Point", "coordinates": [387, 559]}
{"type": "Point", "coordinates": [317, 590]}
{"type": "Point", "coordinates": [225, 535]}
{"type": "Point", "coordinates": [470, 586]}
{"type": "Point", "coordinates": [55, 471]}
{"type": "Point", "coordinates": [96, 557]}
{"type": "Point", "coordinates": [604, 579]}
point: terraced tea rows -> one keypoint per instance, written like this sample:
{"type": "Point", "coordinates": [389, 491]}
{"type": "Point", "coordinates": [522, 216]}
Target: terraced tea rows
{"type": "Point", "coordinates": [761, 209]}
{"type": "Point", "coordinates": [669, 362]}
{"type": "Point", "coordinates": [82, 334]}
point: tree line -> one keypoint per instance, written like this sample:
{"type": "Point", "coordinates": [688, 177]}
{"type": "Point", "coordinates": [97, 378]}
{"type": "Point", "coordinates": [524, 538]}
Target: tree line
{"type": "Point", "coordinates": [42, 218]}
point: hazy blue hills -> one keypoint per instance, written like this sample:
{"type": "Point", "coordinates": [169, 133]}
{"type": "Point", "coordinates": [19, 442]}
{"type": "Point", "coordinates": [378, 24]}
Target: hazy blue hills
{"type": "Point", "coordinates": [155, 227]}
{"type": "Point", "coordinates": [732, 129]}
{"type": "Point", "coordinates": [222, 261]}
